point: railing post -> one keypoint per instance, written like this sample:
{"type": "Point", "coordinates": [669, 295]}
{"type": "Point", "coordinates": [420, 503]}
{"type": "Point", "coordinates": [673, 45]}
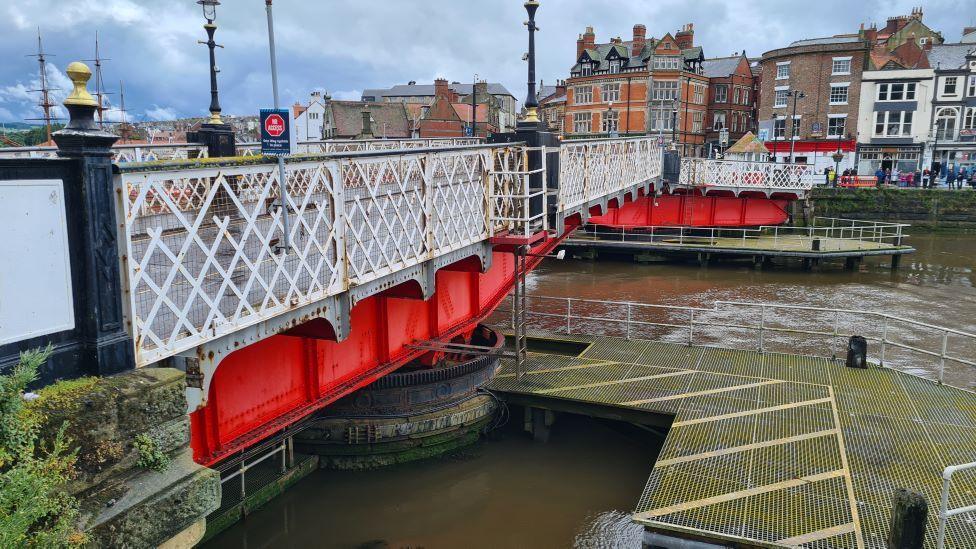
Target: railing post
{"type": "Point", "coordinates": [284, 456]}
{"type": "Point", "coordinates": [569, 315]}
{"type": "Point", "coordinates": [93, 222]}
{"type": "Point", "coordinates": [836, 324]}
{"type": "Point", "coordinates": [943, 509]}
{"type": "Point", "coordinates": [691, 329]}
{"type": "Point", "coordinates": [243, 471]}
{"type": "Point", "coordinates": [762, 328]}
{"type": "Point", "coordinates": [628, 320]}
{"type": "Point", "coordinates": [942, 357]}
{"type": "Point", "coordinates": [884, 340]}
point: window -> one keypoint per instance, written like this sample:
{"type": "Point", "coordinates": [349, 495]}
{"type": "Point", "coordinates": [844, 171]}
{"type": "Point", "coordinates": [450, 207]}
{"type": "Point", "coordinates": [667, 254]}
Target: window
{"type": "Point", "coordinates": [610, 92]}
{"type": "Point", "coordinates": [611, 121]}
{"type": "Point", "coordinates": [969, 121]}
{"type": "Point", "coordinates": [838, 93]}
{"type": "Point", "coordinates": [949, 88]}
{"type": "Point", "coordinates": [699, 93]}
{"type": "Point", "coordinates": [666, 63]}
{"type": "Point", "coordinates": [697, 121]}
{"type": "Point", "coordinates": [841, 65]}
{"type": "Point", "coordinates": [782, 70]}
{"type": "Point", "coordinates": [661, 118]}
{"type": "Point", "coordinates": [737, 96]}
{"type": "Point", "coordinates": [782, 97]}
{"type": "Point", "coordinates": [666, 90]}
{"type": "Point", "coordinates": [893, 124]}
{"type": "Point", "coordinates": [836, 126]}
{"type": "Point", "coordinates": [745, 96]}
{"type": "Point", "coordinates": [719, 121]}
{"type": "Point", "coordinates": [779, 128]}
{"type": "Point", "coordinates": [614, 66]}
{"type": "Point", "coordinates": [582, 122]}
{"type": "Point", "coordinates": [896, 91]}
{"type": "Point", "coordinates": [586, 69]}
{"type": "Point", "coordinates": [722, 93]}
{"type": "Point", "coordinates": [795, 127]}
{"type": "Point", "coordinates": [583, 95]}
{"type": "Point", "coordinates": [971, 89]}
{"type": "Point", "coordinates": [945, 123]}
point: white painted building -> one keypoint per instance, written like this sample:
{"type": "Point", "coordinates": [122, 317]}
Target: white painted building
{"type": "Point", "coordinates": [311, 121]}
{"type": "Point", "coordinates": [893, 119]}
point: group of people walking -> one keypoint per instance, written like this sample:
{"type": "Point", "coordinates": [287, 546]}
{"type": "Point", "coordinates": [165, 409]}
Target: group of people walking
{"type": "Point", "coordinates": [954, 179]}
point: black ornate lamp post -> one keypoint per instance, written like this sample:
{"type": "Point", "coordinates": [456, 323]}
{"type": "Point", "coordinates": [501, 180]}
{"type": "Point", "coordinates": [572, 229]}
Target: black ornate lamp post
{"type": "Point", "coordinates": [215, 134]}
{"type": "Point", "coordinates": [531, 102]}
{"type": "Point", "coordinates": [210, 14]}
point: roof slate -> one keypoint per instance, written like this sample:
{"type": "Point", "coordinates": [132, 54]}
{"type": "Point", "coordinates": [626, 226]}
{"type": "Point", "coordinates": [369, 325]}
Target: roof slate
{"type": "Point", "coordinates": [950, 56]}
{"type": "Point", "coordinates": [721, 66]}
{"type": "Point", "coordinates": [423, 90]}
{"type": "Point", "coordinates": [827, 40]}
{"type": "Point", "coordinates": [389, 119]}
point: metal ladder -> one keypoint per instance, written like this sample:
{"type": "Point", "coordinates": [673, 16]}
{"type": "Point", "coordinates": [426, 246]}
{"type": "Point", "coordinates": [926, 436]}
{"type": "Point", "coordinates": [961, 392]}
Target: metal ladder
{"type": "Point", "coordinates": [519, 309]}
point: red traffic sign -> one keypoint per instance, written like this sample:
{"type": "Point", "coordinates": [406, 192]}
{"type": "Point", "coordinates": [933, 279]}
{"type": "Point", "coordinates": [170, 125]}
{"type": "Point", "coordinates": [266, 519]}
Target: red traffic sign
{"type": "Point", "coordinates": [274, 125]}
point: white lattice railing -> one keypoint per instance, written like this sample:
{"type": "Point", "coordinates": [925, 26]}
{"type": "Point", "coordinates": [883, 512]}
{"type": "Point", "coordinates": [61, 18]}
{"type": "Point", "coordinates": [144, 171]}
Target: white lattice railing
{"type": "Point", "coordinates": [738, 174]}
{"type": "Point", "coordinates": [599, 168]}
{"type": "Point", "coordinates": [121, 153]}
{"type": "Point", "coordinates": [203, 245]}
{"type": "Point", "coordinates": [353, 145]}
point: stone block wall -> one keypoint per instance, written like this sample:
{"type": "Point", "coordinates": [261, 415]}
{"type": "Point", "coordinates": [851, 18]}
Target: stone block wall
{"type": "Point", "coordinates": [924, 209]}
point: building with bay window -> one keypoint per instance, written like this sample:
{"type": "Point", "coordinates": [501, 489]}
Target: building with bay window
{"type": "Point", "coordinates": [953, 123]}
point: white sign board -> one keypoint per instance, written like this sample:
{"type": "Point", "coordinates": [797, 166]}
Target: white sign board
{"type": "Point", "coordinates": [35, 280]}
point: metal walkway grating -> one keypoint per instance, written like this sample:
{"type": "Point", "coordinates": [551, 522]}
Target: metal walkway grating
{"type": "Point", "coordinates": [774, 449]}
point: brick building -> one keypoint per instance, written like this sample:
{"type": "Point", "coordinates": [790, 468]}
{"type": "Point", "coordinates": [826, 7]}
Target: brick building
{"type": "Point", "coordinates": [441, 119]}
{"type": "Point", "coordinates": [640, 86]}
{"type": "Point", "coordinates": [552, 106]}
{"type": "Point", "coordinates": [828, 73]}
{"type": "Point", "coordinates": [731, 99]}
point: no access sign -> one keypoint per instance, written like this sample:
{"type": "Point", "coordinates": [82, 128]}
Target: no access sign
{"type": "Point", "coordinates": [275, 132]}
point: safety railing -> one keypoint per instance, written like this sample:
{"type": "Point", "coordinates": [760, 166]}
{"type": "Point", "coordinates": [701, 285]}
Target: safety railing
{"type": "Point", "coordinates": [328, 146]}
{"type": "Point", "coordinates": [937, 353]}
{"type": "Point", "coordinates": [204, 250]}
{"type": "Point", "coordinates": [825, 235]}
{"type": "Point", "coordinates": [599, 168]}
{"type": "Point", "coordinates": [121, 153]}
{"type": "Point", "coordinates": [745, 175]}
{"type": "Point", "coordinates": [944, 512]}
{"type": "Point", "coordinates": [517, 208]}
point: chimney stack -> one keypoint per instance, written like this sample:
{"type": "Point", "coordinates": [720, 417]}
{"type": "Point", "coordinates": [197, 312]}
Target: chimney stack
{"type": "Point", "coordinates": [640, 38]}
{"type": "Point", "coordinates": [685, 38]}
{"type": "Point", "coordinates": [589, 39]}
{"type": "Point", "coordinates": [441, 89]}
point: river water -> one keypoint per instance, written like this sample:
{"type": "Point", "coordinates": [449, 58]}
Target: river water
{"type": "Point", "coordinates": [577, 489]}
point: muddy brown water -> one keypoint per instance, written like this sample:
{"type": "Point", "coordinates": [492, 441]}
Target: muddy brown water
{"type": "Point", "coordinates": [577, 489]}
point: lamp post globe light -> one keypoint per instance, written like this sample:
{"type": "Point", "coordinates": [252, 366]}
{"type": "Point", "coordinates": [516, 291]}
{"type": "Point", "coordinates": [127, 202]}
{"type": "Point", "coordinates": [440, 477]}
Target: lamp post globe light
{"type": "Point", "coordinates": [797, 94]}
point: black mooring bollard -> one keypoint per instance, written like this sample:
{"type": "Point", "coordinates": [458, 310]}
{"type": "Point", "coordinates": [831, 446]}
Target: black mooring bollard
{"type": "Point", "coordinates": [908, 515]}
{"type": "Point", "coordinates": [857, 352]}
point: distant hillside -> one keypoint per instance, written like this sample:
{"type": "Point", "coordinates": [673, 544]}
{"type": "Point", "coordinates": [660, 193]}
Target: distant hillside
{"type": "Point", "coordinates": [11, 126]}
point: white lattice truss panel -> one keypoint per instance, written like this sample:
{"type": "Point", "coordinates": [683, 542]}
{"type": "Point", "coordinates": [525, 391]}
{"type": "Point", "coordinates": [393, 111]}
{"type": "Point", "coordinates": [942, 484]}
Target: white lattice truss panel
{"type": "Point", "coordinates": [203, 247]}
{"type": "Point", "coordinates": [356, 145]}
{"type": "Point", "coordinates": [120, 153]}
{"type": "Point", "coordinates": [738, 174]}
{"type": "Point", "coordinates": [599, 168]}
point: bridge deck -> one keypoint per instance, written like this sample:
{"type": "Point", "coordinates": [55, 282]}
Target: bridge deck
{"type": "Point", "coordinates": [775, 449]}
{"type": "Point", "coordinates": [791, 246]}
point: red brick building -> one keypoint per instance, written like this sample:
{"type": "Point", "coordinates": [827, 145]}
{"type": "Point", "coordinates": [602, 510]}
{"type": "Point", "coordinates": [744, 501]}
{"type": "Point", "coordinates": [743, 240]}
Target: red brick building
{"type": "Point", "coordinates": [637, 87]}
{"type": "Point", "coordinates": [441, 119]}
{"type": "Point", "coordinates": [731, 99]}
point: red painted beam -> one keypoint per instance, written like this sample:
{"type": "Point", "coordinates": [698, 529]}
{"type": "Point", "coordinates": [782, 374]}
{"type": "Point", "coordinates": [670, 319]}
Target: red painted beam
{"type": "Point", "coordinates": [269, 385]}
{"type": "Point", "coordinates": [695, 211]}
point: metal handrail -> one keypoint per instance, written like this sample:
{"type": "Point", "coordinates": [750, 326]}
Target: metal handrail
{"type": "Point", "coordinates": [698, 317]}
{"type": "Point", "coordinates": [944, 512]}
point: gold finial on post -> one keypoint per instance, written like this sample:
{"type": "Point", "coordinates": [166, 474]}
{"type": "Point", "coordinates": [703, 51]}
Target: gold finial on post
{"type": "Point", "coordinates": [79, 73]}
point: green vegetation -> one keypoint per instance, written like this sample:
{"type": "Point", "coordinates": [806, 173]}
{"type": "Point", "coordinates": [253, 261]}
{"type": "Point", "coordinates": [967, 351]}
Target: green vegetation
{"type": "Point", "coordinates": [150, 455]}
{"type": "Point", "coordinates": [34, 136]}
{"type": "Point", "coordinates": [35, 508]}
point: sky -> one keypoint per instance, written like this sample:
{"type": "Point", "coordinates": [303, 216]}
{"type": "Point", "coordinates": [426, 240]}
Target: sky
{"type": "Point", "coordinates": [344, 46]}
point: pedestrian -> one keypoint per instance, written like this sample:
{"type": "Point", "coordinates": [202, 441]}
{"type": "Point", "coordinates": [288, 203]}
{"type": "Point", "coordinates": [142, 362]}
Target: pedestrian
{"type": "Point", "coordinates": [963, 177]}
{"type": "Point", "coordinates": [832, 177]}
{"type": "Point", "coordinates": [972, 178]}
{"type": "Point", "coordinates": [917, 178]}
{"type": "Point", "coordinates": [827, 176]}
{"type": "Point", "coordinates": [926, 178]}
{"type": "Point", "coordinates": [887, 178]}
{"type": "Point", "coordinates": [880, 175]}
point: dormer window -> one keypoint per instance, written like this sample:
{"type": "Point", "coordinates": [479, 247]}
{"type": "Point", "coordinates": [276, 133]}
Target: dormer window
{"type": "Point", "coordinates": [586, 69]}
{"type": "Point", "coordinates": [615, 66]}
